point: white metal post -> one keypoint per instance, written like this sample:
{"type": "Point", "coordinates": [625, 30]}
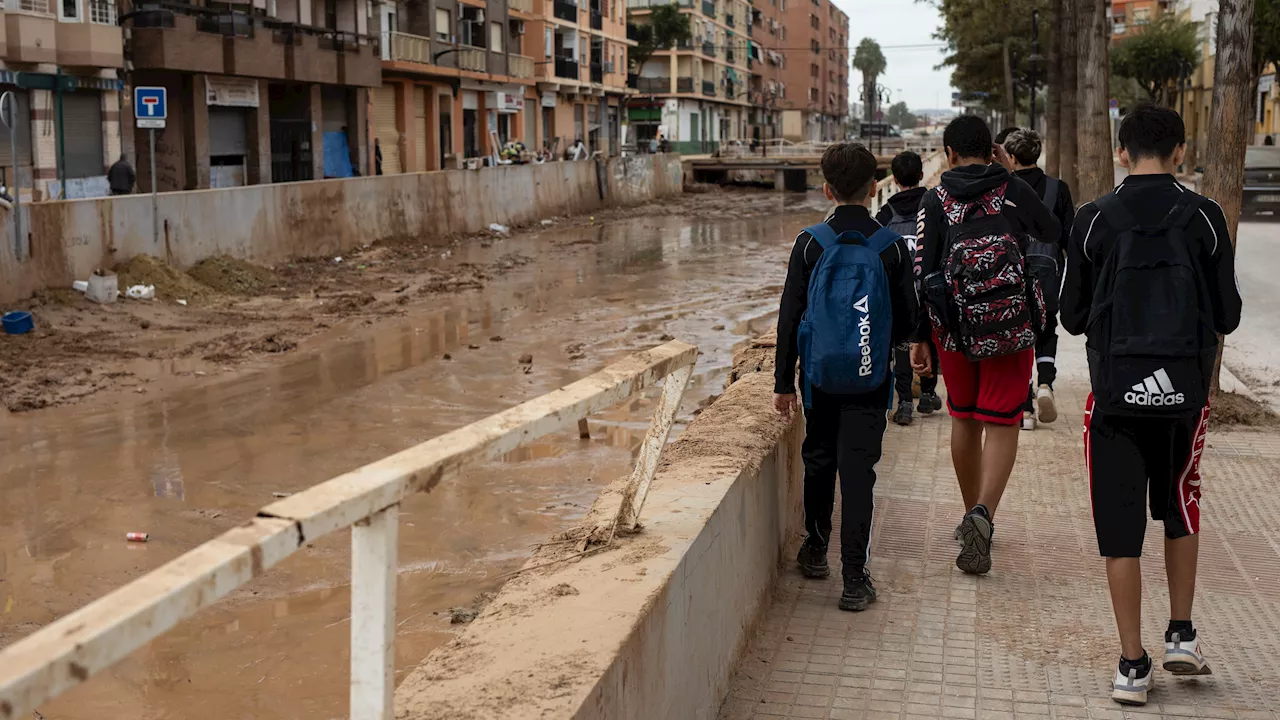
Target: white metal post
{"type": "Point", "coordinates": [155, 212]}
{"type": "Point", "coordinates": [655, 439]}
{"type": "Point", "coordinates": [373, 615]}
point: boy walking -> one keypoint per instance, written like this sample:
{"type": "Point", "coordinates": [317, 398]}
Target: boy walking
{"type": "Point", "coordinates": [899, 215]}
{"type": "Point", "coordinates": [983, 316]}
{"type": "Point", "coordinates": [1150, 279]}
{"type": "Point", "coordinates": [846, 272]}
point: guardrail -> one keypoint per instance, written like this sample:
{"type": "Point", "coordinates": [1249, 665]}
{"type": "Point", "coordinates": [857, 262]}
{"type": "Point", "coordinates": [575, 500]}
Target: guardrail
{"type": "Point", "coordinates": [92, 639]}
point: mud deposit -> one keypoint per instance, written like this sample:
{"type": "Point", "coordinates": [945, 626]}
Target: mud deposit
{"type": "Point", "coordinates": [181, 421]}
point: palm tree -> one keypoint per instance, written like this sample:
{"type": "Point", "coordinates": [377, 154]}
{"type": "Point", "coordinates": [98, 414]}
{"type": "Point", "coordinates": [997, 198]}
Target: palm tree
{"type": "Point", "coordinates": [869, 60]}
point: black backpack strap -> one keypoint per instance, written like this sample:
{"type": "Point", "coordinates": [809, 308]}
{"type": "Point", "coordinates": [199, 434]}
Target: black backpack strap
{"type": "Point", "coordinates": [1051, 186]}
{"type": "Point", "coordinates": [1117, 215]}
{"type": "Point", "coordinates": [1183, 211]}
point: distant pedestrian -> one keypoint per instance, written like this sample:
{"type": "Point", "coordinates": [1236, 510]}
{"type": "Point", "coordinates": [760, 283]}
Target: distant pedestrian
{"type": "Point", "coordinates": [578, 151]}
{"type": "Point", "coordinates": [1151, 281]}
{"type": "Point", "coordinates": [653, 145]}
{"type": "Point", "coordinates": [663, 145]}
{"type": "Point", "coordinates": [377, 156]}
{"type": "Point", "coordinates": [121, 177]}
{"type": "Point", "coordinates": [847, 272]}
{"type": "Point", "coordinates": [1269, 140]}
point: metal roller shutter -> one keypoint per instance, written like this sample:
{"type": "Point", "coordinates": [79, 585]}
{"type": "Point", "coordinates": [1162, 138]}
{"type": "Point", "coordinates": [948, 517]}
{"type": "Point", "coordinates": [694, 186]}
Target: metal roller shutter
{"type": "Point", "coordinates": [227, 131]}
{"type": "Point", "coordinates": [420, 126]}
{"type": "Point", "coordinates": [82, 137]}
{"type": "Point", "coordinates": [384, 128]}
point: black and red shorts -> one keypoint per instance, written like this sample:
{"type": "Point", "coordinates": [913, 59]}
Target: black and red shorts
{"type": "Point", "coordinates": [992, 390]}
{"type": "Point", "coordinates": [1136, 462]}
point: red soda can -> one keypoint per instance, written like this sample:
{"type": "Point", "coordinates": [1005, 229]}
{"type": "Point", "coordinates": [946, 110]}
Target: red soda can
{"type": "Point", "coordinates": [137, 537]}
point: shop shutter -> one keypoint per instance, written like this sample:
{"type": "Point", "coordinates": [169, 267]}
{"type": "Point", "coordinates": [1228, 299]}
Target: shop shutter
{"type": "Point", "coordinates": [227, 135]}
{"type": "Point", "coordinates": [82, 137]}
{"type": "Point", "coordinates": [384, 128]}
{"type": "Point", "coordinates": [420, 127]}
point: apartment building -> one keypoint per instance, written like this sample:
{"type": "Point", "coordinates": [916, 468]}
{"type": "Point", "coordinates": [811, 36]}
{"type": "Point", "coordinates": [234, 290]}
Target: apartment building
{"type": "Point", "coordinates": [267, 91]}
{"type": "Point", "coordinates": [1128, 17]}
{"type": "Point", "coordinates": [767, 62]}
{"type": "Point", "coordinates": [462, 79]}
{"type": "Point", "coordinates": [697, 94]}
{"type": "Point", "coordinates": [61, 62]}
{"type": "Point", "coordinates": [816, 79]}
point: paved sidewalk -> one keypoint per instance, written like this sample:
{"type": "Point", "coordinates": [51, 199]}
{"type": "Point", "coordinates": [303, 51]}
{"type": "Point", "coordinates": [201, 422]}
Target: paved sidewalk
{"type": "Point", "coordinates": [1035, 638]}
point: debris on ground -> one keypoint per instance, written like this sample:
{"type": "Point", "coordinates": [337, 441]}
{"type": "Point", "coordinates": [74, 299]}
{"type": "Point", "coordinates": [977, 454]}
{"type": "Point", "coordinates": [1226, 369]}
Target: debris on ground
{"type": "Point", "coordinates": [1233, 409]}
{"type": "Point", "coordinates": [280, 494]}
{"type": "Point", "coordinates": [169, 282]}
{"type": "Point", "coordinates": [460, 615]}
{"type": "Point", "coordinates": [141, 292]}
{"type": "Point", "coordinates": [496, 338]}
{"type": "Point", "coordinates": [139, 537]}
{"type": "Point", "coordinates": [564, 589]}
{"type": "Point", "coordinates": [232, 276]}
{"type": "Point", "coordinates": [717, 328]}
{"type": "Point", "coordinates": [499, 229]}
{"type": "Point", "coordinates": [666, 338]}
{"type": "Point", "coordinates": [525, 359]}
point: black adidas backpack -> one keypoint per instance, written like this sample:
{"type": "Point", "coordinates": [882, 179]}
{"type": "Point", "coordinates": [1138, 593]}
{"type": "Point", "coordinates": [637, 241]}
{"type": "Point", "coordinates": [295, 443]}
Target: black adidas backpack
{"type": "Point", "coordinates": [1151, 343]}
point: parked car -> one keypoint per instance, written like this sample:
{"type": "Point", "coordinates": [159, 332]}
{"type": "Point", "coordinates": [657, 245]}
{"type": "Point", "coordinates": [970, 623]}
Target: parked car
{"type": "Point", "coordinates": [1261, 180]}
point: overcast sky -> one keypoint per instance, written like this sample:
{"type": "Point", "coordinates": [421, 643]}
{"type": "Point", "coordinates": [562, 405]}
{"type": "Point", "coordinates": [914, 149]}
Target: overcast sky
{"type": "Point", "coordinates": [910, 75]}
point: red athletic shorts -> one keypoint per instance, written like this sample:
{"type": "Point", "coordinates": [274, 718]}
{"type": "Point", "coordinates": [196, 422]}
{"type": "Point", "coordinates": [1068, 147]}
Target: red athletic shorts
{"type": "Point", "coordinates": [993, 390]}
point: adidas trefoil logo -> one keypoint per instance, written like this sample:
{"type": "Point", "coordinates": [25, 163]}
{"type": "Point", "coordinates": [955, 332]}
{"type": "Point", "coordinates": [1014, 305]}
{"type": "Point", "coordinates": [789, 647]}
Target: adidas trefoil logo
{"type": "Point", "coordinates": [1155, 391]}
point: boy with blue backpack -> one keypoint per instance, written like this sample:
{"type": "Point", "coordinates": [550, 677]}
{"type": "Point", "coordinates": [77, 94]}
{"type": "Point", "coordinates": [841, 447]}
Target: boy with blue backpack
{"type": "Point", "coordinates": [849, 299]}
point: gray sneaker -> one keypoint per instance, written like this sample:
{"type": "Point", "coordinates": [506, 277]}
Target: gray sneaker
{"type": "Point", "coordinates": [975, 544]}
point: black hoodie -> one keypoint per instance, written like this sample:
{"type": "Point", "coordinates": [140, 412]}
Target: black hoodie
{"type": "Point", "coordinates": [1023, 208]}
{"type": "Point", "coordinates": [906, 203]}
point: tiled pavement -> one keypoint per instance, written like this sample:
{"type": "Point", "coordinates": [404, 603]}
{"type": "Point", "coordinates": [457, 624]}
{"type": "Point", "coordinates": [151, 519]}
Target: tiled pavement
{"type": "Point", "coordinates": [1035, 638]}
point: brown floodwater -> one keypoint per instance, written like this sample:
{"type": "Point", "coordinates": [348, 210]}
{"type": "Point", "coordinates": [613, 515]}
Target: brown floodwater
{"type": "Point", "coordinates": [188, 464]}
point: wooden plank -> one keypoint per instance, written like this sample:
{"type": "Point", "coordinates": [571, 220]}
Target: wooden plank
{"type": "Point", "coordinates": [342, 501]}
{"type": "Point", "coordinates": [655, 440]}
{"type": "Point", "coordinates": [91, 639]}
{"type": "Point", "coordinates": [373, 615]}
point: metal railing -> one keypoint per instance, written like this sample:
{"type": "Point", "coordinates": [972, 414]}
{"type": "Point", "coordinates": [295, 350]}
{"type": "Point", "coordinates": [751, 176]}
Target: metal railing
{"type": "Point", "coordinates": [709, 88]}
{"type": "Point", "coordinates": [567, 68]}
{"type": "Point", "coordinates": [520, 66]}
{"type": "Point", "coordinates": [566, 11]}
{"type": "Point", "coordinates": [643, 4]}
{"type": "Point", "coordinates": [654, 84]}
{"type": "Point", "coordinates": [597, 20]}
{"type": "Point", "coordinates": [684, 84]}
{"type": "Point", "coordinates": [524, 6]}
{"type": "Point", "coordinates": [728, 19]}
{"type": "Point", "coordinates": [72, 649]}
{"type": "Point", "coordinates": [597, 74]}
{"type": "Point", "coordinates": [708, 48]}
{"type": "Point", "coordinates": [709, 8]}
{"type": "Point", "coordinates": [35, 7]}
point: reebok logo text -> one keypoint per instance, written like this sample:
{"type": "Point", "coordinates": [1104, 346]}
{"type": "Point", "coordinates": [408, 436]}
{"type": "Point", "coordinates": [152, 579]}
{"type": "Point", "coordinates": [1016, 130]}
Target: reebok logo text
{"type": "Point", "coordinates": [1155, 391]}
{"type": "Point", "coordinates": [864, 336]}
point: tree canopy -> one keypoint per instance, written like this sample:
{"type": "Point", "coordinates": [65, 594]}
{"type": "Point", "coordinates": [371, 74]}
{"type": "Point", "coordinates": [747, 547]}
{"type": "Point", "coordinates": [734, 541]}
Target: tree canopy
{"type": "Point", "coordinates": [1166, 51]}
{"type": "Point", "coordinates": [869, 60]}
{"type": "Point", "coordinates": [665, 27]}
{"type": "Point", "coordinates": [899, 115]}
{"type": "Point", "coordinates": [1266, 34]}
{"type": "Point", "coordinates": [976, 32]}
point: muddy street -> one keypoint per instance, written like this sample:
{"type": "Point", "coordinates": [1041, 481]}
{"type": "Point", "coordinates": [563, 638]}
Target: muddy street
{"type": "Point", "coordinates": [197, 454]}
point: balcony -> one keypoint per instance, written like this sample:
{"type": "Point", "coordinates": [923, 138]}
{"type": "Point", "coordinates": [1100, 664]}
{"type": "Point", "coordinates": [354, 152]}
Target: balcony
{"type": "Point", "coordinates": [89, 45]}
{"type": "Point", "coordinates": [728, 19]}
{"type": "Point", "coordinates": [708, 48]}
{"type": "Point", "coordinates": [728, 56]}
{"type": "Point", "coordinates": [566, 11]}
{"type": "Point", "coordinates": [683, 44]}
{"type": "Point", "coordinates": [597, 20]}
{"type": "Point", "coordinates": [597, 74]}
{"type": "Point", "coordinates": [709, 9]}
{"type": "Point", "coordinates": [709, 88]}
{"type": "Point", "coordinates": [472, 59]}
{"type": "Point", "coordinates": [519, 66]}
{"type": "Point", "coordinates": [632, 32]}
{"type": "Point", "coordinates": [684, 85]}
{"type": "Point", "coordinates": [567, 68]}
{"type": "Point", "coordinates": [656, 84]}
{"type": "Point", "coordinates": [730, 92]}
{"type": "Point", "coordinates": [30, 31]}
{"type": "Point", "coordinates": [522, 6]}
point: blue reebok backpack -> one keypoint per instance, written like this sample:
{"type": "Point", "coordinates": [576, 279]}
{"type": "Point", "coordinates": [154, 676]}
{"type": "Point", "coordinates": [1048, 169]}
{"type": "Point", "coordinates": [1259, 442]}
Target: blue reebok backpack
{"type": "Point", "coordinates": [846, 334]}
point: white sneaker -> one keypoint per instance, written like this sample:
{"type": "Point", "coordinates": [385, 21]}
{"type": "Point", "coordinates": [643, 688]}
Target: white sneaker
{"type": "Point", "coordinates": [1044, 403]}
{"type": "Point", "coordinates": [1028, 421]}
{"type": "Point", "coordinates": [1131, 689]}
{"type": "Point", "coordinates": [1182, 657]}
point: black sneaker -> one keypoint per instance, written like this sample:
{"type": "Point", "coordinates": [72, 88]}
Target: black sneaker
{"type": "Point", "coordinates": [929, 403]}
{"type": "Point", "coordinates": [813, 560]}
{"type": "Point", "coordinates": [975, 543]}
{"type": "Point", "coordinates": [859, 592]}
{"type": "Point", "coordinates": [902, 416]}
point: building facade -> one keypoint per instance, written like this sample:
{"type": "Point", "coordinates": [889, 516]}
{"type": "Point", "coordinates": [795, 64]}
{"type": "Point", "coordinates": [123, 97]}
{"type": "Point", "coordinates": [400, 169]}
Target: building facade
{"type": "Point", "coordinates": [62, 62]}
{"type": "Point", "coordinates": [1128, 17]}
{"type": "Point", "coordinates": [816, 79]}
{"type": "Point", "coordinates": [255, 96]}
{"type": "Point", "coordinates": [768, 64]}
{"type": "Point", "coordinates": [696, 95]}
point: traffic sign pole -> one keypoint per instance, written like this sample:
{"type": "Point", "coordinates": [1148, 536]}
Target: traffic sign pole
{"type": "Point", "coordinates": [150, 110]}
{"type": "Point", "coordinates": [155, 205]}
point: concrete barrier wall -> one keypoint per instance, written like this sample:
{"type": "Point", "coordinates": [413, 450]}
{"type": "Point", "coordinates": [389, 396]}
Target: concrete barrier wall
{"type": "Point", "coordinates": [652, 627]}
{"type": "Point", "coordinates": [271, 223]}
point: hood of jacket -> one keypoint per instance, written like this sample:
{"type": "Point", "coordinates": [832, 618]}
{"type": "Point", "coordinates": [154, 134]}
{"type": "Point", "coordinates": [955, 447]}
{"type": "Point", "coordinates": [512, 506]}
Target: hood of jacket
{"type": "Point", "coordinates": [968, 182]}
{"type": "Point", "coordinates": [907, 202]}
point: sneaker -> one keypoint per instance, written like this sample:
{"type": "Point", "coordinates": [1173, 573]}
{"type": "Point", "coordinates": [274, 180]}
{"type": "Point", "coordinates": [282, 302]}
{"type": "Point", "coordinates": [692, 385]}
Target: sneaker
{"type": "Point", "coordinates": [1048, 411]}
{"type": "Point", "coordinates": [1182, 657]}
{"type": "Point", "coordinates": [929, 403]}
{"type": "Point", "coordinates": [1028, 420]}
{"type": "Point", "coordinates": [859, 592]}
{"type": "Point", "coordinates": [1132, 689]}
{"type": "Point", "coordinates": [975, 543]}
{"type": "Point", "coordinates": [813, 560]}
{"type": "Point", "coordinates": [902, 416]}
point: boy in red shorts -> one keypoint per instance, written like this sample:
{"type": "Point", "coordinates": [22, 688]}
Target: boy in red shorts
{"type": "Point", "coordinates": [968, 229]}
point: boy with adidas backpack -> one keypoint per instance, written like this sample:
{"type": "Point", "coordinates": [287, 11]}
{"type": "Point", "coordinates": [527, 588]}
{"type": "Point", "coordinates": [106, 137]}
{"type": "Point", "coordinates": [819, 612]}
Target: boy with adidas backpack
{"type": "Point", "coordinates": [985, 310]}
{"type": "Point", "coordinates": [1151, 281]}
{"type": "Point", "coordinates": [849, 298]}
{"type": "Point", "coordinates": [899, 215]}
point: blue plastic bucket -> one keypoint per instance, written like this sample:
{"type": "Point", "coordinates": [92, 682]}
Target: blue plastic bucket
{"type": "Point", "coordinates": [17, 323]}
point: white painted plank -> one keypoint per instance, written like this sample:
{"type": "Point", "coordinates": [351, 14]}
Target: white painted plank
{"type": "Point", "coordinates": [373, 615]}
{"type": "Point", "coordinates": [655, 440]}
{"type": "Point", "coordinates": [68, 651]}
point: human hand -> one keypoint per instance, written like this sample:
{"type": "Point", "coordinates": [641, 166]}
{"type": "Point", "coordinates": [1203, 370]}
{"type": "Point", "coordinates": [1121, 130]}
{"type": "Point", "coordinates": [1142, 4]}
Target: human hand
{"type": "Point", "coordinates": [922, 359]}
{"type": "Point", "coordinates": [785, 405]}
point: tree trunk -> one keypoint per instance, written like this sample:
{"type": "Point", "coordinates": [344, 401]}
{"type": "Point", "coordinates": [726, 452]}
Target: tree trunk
{"type": "Point", "coordinates": [1053, 88]}
{"type": "Point", "coordinates": [1230, 117]}
{"type": "Point", "coordinates": [1096, 169]}
{"type": "Point", "coordinates": [1010, 109]}
{"type": "Point", "coordinates": [1067, 139]}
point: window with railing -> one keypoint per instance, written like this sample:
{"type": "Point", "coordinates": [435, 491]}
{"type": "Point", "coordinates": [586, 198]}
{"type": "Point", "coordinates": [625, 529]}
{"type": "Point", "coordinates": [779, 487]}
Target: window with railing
{"type": "Point", "coordinates": [813, 45]}
{"type": "Point", "coordinates": [41, 7]}
{"type": "Point", "coordinates": [102, 12]}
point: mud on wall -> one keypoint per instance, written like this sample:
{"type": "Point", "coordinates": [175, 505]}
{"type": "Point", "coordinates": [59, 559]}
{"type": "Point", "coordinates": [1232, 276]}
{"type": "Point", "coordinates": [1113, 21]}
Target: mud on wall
{"type": "Point", "coordinates": [271, 223]}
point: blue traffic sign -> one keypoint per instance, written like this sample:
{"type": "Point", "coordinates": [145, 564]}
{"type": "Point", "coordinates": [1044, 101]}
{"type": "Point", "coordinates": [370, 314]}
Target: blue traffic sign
{"type": "Point", "coordinates": [150, 107]}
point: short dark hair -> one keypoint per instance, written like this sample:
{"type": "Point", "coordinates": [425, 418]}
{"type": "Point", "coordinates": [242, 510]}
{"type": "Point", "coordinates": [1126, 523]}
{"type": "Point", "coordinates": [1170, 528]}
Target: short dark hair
{"type": "Point", "coordinates": [1025, 146]}
{"type": "Point", "coordinates": [1151, 131]}
{"type": "Point", "coordinates": [1005, 133]}
{"type": "Point", "coordinates": [908, 169]}
{"type": "Point", "coordinates": [968, 136]}
{"type": "Point", "coordinates": [849, 169]}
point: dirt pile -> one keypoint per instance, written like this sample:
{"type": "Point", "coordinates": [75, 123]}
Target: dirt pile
{"type": "Point", "coordinates": [171, 284]}
{"type": "Point", "coordinates": [232, 276]}
{"type": "Point", "coordinates": [1231, 409]}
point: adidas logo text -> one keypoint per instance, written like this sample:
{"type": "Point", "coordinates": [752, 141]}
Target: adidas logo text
{"type": "Point", "coordinates": [1155, 391]}
{"type": "Point", "coordinates": [864, 336]}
